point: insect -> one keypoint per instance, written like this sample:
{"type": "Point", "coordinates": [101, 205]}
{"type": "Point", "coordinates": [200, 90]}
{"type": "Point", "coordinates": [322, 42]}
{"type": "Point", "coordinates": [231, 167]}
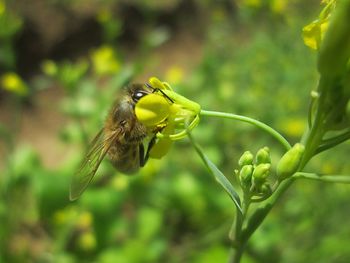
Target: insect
{"type": "Point", "coordinates": [121, 139]}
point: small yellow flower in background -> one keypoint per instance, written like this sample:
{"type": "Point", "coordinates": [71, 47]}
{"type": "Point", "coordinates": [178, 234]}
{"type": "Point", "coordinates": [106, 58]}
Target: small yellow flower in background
{"type": "Point", "coordinates": [104, 61]}
{"type": "Point", "coordinates": [328, 167]}
{"type": "Point", "coordinates": [85, 220]}
{"type": "Point", "coordinates": [120, 183]}
{"type": "Point", "coordinates": [49, 67]}
{"type": "Point", "coordinates": [278, 6]}
{"type": "Point", "coordinates": [13, 83]}
{"type": "Point", "coordinates": [175, 74]}
{"type": "Point", "coordinates": [168, 114]}
{"type": "Point", "coordinates": [252, 3]}
{"type": "Point", "coordinates": [87, 241]}
{"type": "Point", "coordinates": [104, 15]}
{"type": "Point", "coordinates": [64, 216]}
{"type": "Point", "coordinates": [2, 7]}
{"type": "Point", "coordinates": [293, 127]}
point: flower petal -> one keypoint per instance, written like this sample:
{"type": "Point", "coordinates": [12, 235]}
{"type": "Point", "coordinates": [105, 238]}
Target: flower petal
{"type": "Point", "coordinates": [152, 109]}
{"type": "Point", "coordinates": [162, 146]}
{"type": "Point", "coordinates": [157, 84]}
{"type": "Point", "coordinates": [312, 35]}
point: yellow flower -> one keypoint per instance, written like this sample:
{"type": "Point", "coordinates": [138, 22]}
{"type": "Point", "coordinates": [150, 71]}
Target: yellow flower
{"type": "Point", "coordinates": [65, 216]}
{"type": "Point", "coordinates": [168, 114]}
{"type": "Point", "coordinates": [252, 3]}
{"type": "Point", "coordinates": [2, 8]}
{"type": "Point", "coordinates": [13, 83]}
{"type": "Point", "coordinates": [293, 127]}
{"type": "Point", "coordinates": [104, 15]}
{"type": "Point", "coordinates": [104, 61]}
{"type": "Point", "coordinates": [120, 183]}
{"type": "Point", "coordinates": [314, 32]}
{"type": "Point", "coordinates": [153, 109]}
{"type": "Point", "coordinates": [49, 67]}
{"type": "Point", "coordinates": [87, 241]}
{"type": "Point", "coordinates": [278, 6]}
{"type": "Point", "coordinates": [85, 220]}
{"type": "Point", "coordinates": [175, 74]}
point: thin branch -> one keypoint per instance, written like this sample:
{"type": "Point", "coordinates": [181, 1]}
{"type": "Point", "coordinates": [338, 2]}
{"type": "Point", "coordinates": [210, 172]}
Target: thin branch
{"type": "Point", "coordinates": [343, 179]}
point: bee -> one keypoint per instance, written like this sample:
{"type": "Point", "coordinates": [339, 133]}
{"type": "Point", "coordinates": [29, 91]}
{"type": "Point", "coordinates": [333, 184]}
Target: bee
{"type": "Point", "coordinates": [121, 139]}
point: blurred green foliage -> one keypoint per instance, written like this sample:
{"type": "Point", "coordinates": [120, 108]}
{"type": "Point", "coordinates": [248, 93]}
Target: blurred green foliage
{"type": "Point", "coordinates": [10, 25]}
{"type": "Point", "coordinates": [255, 64]}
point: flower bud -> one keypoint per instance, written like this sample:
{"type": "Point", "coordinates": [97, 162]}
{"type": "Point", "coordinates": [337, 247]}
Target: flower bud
{"type": "Point", "coordinates": [246, 159]}
{"type": "Point", "coordinates": [245, 175]}
{"type": "Point", "coordinates": [290, 161]}
{"type": "Point", "coordinates": [263, 156]}
{"type": "Point", "coordinates": [265, 189]}
{"type": "Point", "coordinates": [261, 172]}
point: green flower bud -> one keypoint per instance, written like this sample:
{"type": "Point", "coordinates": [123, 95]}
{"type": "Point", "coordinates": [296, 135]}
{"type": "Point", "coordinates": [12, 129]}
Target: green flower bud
{"type": "Point", "coordinates": [261, 172]}
{"type": "Point", "coordinates": [263, 156]}
{"type": "Point", "coordinates": [290, 161]}
{"type": "Point", "coordinates": [265, 189]}
{"type": "Point", "coordinates": [246, 159]}
{"type": "Point", "coordinates": [245, 175]}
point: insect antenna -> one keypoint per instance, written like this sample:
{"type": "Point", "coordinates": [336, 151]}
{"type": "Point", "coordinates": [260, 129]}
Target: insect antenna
{"type": "Point", "coordinates": [157, 89]}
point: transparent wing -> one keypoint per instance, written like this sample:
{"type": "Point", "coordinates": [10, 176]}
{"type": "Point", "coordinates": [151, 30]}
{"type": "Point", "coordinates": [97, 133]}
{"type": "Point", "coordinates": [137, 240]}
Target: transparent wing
{"type": "Point", "coordinates": [96, 152]}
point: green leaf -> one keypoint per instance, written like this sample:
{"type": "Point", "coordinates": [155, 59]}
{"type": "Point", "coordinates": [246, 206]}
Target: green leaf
{"type": "Point", "coordinates": [219, 176]}
{"type": "Point", "coordinates": [335, 48]}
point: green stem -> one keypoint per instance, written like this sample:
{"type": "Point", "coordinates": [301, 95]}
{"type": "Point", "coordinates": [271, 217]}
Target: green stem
{"type": "Point", "coordinates": [242, 236]}
{"type": "Point", "coordinates": [256, 123]}
{"type": "Point", "coordinates": [311, 141]}
{"type": "Point", "coordinates": [260, 214]}
{"type": "Point", "coordinates": [344, 179]}
{"type": "Point", "coordinates": [331, 142]}
{"type": "Point", "coordinates": [238, 246]}
{"type": "Point", "coordinates": [312, 137]}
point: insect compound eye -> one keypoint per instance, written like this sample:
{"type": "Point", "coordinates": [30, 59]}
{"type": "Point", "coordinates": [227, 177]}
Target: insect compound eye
{"type": "Point", "coordinates": [138, 95]}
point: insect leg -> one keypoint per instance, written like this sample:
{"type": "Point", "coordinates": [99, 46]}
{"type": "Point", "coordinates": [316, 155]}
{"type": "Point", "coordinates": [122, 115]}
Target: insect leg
{"type": "Point", "coordinates": [156, 89]}
{"type": "Point", "coordinates": [144, 157]}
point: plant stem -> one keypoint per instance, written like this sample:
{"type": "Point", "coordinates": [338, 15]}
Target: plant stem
{"type": "Point", "coordinates": [312, 138]}
{"type": "Point", "coordinates": [241, 235]}
{"type": "Point", "coordinates": [256, 123]}
{"type": "Point", "coordinates": [260, 214]}
{"type": "Point", "coordinates": [330, 143]}
{"type": "Point", "coordinates": [238, 246]}
{"type": "Point", "coordinates": [311, 141]}
{"type": "Point", "coordinates": [343, 179]}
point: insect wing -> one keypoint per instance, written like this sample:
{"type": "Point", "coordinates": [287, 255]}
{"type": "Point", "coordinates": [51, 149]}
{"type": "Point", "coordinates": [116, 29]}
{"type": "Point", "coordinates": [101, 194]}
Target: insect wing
{"type": "Point", "coordinates": [97, 151]}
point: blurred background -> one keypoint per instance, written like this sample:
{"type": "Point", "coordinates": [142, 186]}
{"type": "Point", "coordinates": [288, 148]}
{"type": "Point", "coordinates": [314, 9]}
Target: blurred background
{"type": "Point", "coordinates": [61, 64]}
